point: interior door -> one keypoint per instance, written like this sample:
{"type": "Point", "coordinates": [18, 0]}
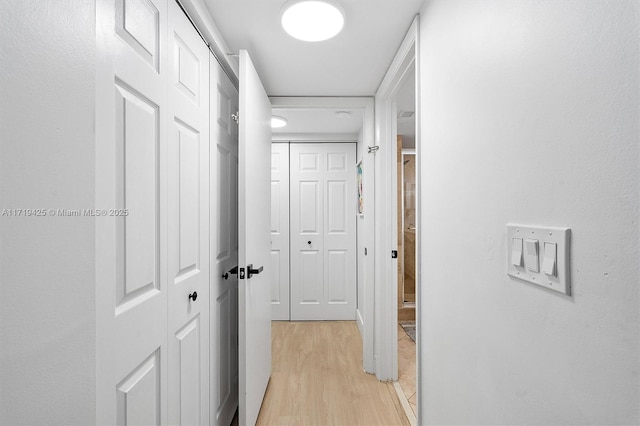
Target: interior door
{"type": "Point", "coordinates": [280, 231]}
{"type": "Point", "coordinates": [224, 247]}
{"type": "Point", "coordinates": [254, 225]}
{"type": "Point", "coordinates": [131, 142]}
{"type": "Point", "coordinates": [323, 237]}
{"type": "Point", "coordinates": [307, 231]}
{"type": "Point", "coordinates": [188, 223]}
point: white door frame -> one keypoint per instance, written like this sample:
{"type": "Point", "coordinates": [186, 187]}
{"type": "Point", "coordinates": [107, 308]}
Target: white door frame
{"type": "Point", "coordinates": [365, 314]}
{"type": "Point", "coordinates": [386, 310]}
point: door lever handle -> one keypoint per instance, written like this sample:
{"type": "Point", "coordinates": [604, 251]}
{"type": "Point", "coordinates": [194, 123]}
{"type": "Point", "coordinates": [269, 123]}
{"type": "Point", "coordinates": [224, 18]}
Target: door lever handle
{"type": "Point", "coordinates": [251, 271]}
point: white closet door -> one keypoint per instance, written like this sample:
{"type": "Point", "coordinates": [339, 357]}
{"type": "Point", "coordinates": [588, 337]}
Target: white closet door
{"type": "Point", "coordinates": [188, 223]}
{"type": "Point", "coordinates": [280, 231]}
{"type": "Point", "coordinates": [224, 247]}
{"type": "Point", "coordinates": [131, 163]}
{"type": "Point", "coordinates": [340, 231]}
{"type": "Point", "coordinates": [323, 243]}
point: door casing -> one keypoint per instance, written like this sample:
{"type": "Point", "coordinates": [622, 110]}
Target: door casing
{"type": "Point", "coordinates": [386, 311]}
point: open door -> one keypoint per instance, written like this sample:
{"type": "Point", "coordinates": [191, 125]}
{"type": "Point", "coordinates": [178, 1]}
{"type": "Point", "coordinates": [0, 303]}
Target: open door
{"type": "Point", "coordinates": [254, 235]}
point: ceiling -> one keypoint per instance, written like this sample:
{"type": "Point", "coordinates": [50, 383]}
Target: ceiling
{"type": "Point", "coordinates": [351, 64]}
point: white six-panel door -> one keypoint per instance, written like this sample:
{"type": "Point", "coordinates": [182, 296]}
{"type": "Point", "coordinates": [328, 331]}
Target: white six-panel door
{"type": "Point", "coordinates": [131, 166]}
{"type": "Point", "coordinates": [224, 247]}
{"type": "Point", "coordinates": [188, 222]}
{"type": "Point", "coordinates": [280, 231]}
{"type": "Point", "coordinates": [323, 213]}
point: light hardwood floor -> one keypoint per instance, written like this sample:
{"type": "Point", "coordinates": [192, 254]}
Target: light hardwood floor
{"type": "Point", "coordinates": [317, 379]}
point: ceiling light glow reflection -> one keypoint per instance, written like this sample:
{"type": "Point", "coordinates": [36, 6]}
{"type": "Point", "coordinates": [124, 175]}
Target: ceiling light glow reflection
{"type": "Point", "coordinates": [278, 121]}
{"type": "Point", "coordinates": [312, 20]}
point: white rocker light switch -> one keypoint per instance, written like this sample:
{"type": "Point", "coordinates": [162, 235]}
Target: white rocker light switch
{"type": "Point", "coordinates": [516, 251]}
{"type": "Point", "coordinates": [549, 263]}
{"type": "Point", "coordinates": [531, 253]}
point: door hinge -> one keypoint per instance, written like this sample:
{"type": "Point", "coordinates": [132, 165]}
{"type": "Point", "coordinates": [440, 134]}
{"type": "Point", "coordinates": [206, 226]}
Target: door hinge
{"type": "Point", "coordinates": [394, 254]}
{"type": "Point", "coordinates": [241, 274]}
{"type": "Point", "coordinates": [236, 117]}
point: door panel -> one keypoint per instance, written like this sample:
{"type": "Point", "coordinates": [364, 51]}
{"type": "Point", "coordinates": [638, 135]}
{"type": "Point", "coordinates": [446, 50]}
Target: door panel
{"type": "Point", "coordinates": [188, 227]}
{"type": "Point", "coordinates": [188, 199]}
{"type": "Point", "coordinates": [280, 231]}
{"type": "Point", "coordinates": [138, 25]}
{"type": "Point", "coordinates": [131, 166]}
{"type": "Point", "coordinates": [224, 351]}
{"type": "Point", "coordinates": [254, 222]}
{"type": "Point", "coordinates": [336, 207]}
{"type": "Point", "coordinates": [309, 213]}
{"type": "Point", "coordinates": [138, 395]}
{"type": "Point", "coordinates": [223, 160]}
{"type": "Point", "coordinates": [189, 348]}
{"type": "Point", "coordinates": [311, 277]}
{"type": "Point", "coordinates": [323, 269]}
{"type": "Point", "coordinates": [337, 272]}
{"type": "Point", "coordinates": [224, 247]}
{"type": "Point", "coordinates": [137, 145]}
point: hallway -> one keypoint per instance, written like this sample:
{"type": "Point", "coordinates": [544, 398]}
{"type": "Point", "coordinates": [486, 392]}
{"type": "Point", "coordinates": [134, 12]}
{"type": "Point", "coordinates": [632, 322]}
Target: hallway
{"type": "Point", "coordinates": [317, 379]}
{"type": "Point", "coordinates": [135, 250]}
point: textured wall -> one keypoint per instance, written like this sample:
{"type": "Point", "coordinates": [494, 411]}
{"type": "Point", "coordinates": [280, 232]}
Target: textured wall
{"type": "Point", "coordinates": [47, 288]}
{"type": "Point", "coordinates": [529, 115]}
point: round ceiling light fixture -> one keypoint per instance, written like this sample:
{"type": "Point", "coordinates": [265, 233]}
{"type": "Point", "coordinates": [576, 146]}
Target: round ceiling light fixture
{"type": "Point", "coordinates": [277, 121]}
{"type": "Point", "coordinates": [312, 20]}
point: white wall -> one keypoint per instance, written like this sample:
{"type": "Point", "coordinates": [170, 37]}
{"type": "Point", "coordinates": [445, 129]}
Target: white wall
{"type": "Point", "coordinates": [529, 114]}
{"type": "Point", "coordinates": [47, 288]}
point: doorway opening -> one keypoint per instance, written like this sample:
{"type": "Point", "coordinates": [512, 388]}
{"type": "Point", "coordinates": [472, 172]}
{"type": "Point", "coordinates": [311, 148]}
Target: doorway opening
{"type": "Point", "coordinates": [405, 117]}
{"type": "Point", "coordinates": [315, 125]}
{"type": "Point", "coordinates": [398, 171]}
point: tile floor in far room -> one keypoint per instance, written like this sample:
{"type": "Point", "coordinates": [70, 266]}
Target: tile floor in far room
{"type": "Point", "coordinates": [407, 368]}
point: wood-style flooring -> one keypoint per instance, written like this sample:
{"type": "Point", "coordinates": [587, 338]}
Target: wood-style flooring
{"type": "Point", "coordinates": [317, 379]}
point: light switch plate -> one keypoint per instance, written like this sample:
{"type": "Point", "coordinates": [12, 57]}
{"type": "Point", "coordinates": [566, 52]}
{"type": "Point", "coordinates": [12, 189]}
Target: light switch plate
{"type": "Point", "coordinates": [561, 237]}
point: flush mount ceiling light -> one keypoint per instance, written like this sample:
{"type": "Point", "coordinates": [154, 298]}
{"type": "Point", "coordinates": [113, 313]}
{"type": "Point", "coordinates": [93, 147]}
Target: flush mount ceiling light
{"type": "Point", "coordinates": [278, 121]}
{"type": "Point", "coordinates": [312, 20]}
